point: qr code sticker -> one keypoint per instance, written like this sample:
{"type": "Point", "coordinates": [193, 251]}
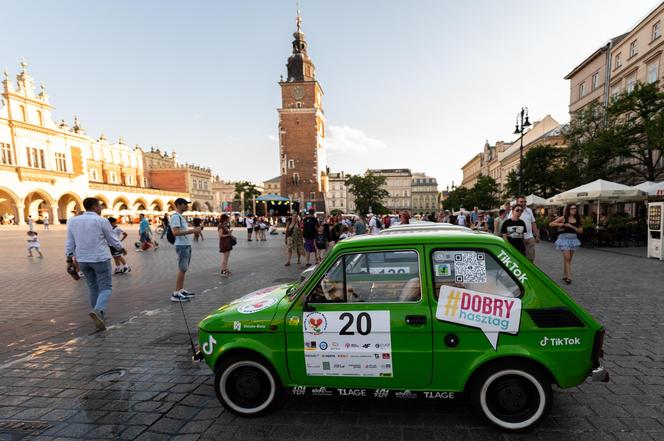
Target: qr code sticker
{"type": "Point", "coordinates": [469, 267]}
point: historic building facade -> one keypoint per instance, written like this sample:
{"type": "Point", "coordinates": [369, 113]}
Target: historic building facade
{"type": "Point", "coordinates": [48, 168]}
{"type": "Point", "coordinates": [424, 193]}
{"type": "Point", "coordinates": [223, 195]}
{"type": "Point", "coordinates": [302, 130]}
{"type": "Point", "coordinates": [337, 196]}
{"type": "Point", "coordinates": [398, 183]}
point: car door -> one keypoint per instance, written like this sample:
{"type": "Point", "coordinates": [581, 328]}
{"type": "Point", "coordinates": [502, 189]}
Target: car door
{"type": "Point", "coordinates": [366, 323]}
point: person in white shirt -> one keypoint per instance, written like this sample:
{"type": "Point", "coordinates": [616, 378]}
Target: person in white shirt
{"type": "Point", "coordinates": [461, 219]}
{"type": "Point", "coordinates": [121, 266]}
{"type": "Point", "coordinates": [181, 230]}
{"type": "Point", "coordinates": [532, 234]}
{"type": "Point", "coordinates": [373, 224]}
{"type": "Point", "coordinates": [249, 222]}
{"type": "Point", "coordinates": [88, 239]}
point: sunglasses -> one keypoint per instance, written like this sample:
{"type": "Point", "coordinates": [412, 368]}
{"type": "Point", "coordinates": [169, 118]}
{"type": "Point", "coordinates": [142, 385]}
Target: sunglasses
{"type": "Point", "coordinates": [518, 211]}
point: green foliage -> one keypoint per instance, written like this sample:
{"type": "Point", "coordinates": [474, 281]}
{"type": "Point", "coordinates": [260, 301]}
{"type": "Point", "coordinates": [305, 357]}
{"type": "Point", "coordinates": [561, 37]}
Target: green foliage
{"type": "Point", "coordinates": [249, 190]}
{"type": "Point", "coordinates": [367, 192]}
{"type": "Point", "coordinates": [484, 195]}
{"type": "Point", "coordinates": [336, 212]}
{"type": "Point", "coordinates": [545, 172]}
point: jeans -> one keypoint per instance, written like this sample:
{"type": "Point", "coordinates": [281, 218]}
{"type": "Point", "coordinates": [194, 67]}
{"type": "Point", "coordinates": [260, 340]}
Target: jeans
{"type": "Point", "coordinates": [98, 277]}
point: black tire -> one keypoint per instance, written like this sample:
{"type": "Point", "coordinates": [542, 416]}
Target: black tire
{"type": "Point", "coordinates": [247, 385]}
{"type": "Point", "coordinates": [512, 396]}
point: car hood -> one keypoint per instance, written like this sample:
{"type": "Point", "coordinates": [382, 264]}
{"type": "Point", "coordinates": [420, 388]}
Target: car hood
{"type": "Point", "coordinates": [250, 313]}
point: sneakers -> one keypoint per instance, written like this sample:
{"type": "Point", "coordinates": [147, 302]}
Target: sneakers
{"type": "Point", "coordinates": [119, 270]}
{"type": "Point", "coordinates": [98, 318]}
{"type": "Point", "coordinates": [187, 293]}
{"type": "Point", "coordinates": [179, 297]}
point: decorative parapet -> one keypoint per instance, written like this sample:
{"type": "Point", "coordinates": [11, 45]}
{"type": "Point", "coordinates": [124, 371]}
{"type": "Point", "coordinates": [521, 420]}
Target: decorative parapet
{"type": "Point", "coordinates": [129, 189]}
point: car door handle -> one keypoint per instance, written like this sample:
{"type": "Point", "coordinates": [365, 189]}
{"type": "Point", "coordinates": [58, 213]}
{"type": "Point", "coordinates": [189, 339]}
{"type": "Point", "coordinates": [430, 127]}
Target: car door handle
{"type": "Point", "coordinates": [416, 319]}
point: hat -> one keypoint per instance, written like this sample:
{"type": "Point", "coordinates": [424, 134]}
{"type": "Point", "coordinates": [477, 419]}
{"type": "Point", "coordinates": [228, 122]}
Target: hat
{"type": "Point", "coordinates": [179, 201]}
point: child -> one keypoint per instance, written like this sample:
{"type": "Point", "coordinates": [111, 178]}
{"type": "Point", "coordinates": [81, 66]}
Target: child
{"type": "Point", "coordinates": [321, 243]}
{"type": "Point", "coordinates": [121, 266]}
{"type": "Point", "coordinates": [345, 233]}
{"type": "Point", "coordinates": [33, 243]}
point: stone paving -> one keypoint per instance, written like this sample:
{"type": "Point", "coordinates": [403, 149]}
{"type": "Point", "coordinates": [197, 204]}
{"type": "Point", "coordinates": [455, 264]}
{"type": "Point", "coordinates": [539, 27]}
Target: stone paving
{"type": "Point", "coordinates": [59, 380]}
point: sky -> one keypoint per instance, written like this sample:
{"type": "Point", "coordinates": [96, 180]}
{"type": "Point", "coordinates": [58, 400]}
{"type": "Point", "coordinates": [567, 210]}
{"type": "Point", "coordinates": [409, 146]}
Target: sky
{"type": "Point", "coordinates": [408, 84]}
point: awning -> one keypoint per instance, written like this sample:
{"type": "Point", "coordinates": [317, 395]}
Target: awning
{"type": "Point", "coordinates": [599, 190]}
{"type": "Point", "coordinates": [652, 188]}
{"type": "Point", "coordinates": [271, 198]}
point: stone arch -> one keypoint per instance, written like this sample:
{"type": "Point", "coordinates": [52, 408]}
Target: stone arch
{"type": "Point", "coordinates": [208, 206]}
{"type": "Point", "coordinates": [157, 205]}
{"type": "Point", "coordinates": [140, 204]}
{"type": "Point", "coordinates": [69, 205]}
{"type": "Point", "coordinates": [9, 202]}
{"type": "Point", "coordinates": [196, 206]}
{"type": "Point", "coordinates": [170, 205]}
{"type": "Point", "coordinates": [40, 204]}
{"type": "Point", "coordinates": [103, 200]}
{"type": "Point", "coordinates": [121, 203]}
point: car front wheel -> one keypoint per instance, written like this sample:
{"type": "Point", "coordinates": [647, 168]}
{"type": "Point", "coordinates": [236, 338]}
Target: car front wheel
{"type": "Point", "coordinates": [247, 385]}
{"type": "Point", "coordinates": [512, 398]}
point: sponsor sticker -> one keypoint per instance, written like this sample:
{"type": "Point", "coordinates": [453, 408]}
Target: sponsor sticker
{"type": "Point", "coordinates": [559, 341]}
{"type": "Point", "coordinates": [256, 306]}
{"type": "Point", "coordinates": [491, 313]}
{"type": "Point", "coordinates": [208, 346]}
{"type": "Point", "coordinates": [237, 326]}
{"type": "Point", "coordinates": [255, 295]}
{"type": "Point", "coordinates": [512, 266]}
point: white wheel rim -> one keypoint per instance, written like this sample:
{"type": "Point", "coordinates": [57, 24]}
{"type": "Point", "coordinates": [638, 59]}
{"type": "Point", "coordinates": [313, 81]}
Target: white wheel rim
{"type": "Point", "coordinates": [231, 404]}
{"type": "Point", "coordinates": [514, 426]}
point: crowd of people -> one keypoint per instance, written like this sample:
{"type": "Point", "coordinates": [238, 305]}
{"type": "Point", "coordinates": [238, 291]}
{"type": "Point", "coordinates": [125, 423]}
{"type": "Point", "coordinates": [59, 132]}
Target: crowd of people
{"type": "Point", "coordinates": [93, 240]}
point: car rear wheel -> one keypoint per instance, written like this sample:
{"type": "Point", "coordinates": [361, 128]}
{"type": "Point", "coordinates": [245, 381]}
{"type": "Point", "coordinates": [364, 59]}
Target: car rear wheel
{"type": "Point", "coordinates": [512, 398]}
{"type": "Point", "coordinates": [247, 386]}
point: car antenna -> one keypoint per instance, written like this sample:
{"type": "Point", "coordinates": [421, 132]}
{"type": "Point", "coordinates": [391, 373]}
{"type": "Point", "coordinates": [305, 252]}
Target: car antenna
{"type": "Point", "coordinates": [191, 340]}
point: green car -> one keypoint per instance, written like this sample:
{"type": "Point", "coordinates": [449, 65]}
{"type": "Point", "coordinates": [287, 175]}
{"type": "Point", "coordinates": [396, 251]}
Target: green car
{"type": "Point", "coordinates": [430, 313]}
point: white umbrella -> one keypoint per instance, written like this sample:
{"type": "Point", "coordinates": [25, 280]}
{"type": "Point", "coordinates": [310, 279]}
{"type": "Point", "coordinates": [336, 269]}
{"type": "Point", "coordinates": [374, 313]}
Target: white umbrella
{"type": "Point", "coordinates": [652, 188]}
{"type": "Point", "coordinates": [534, 200]}
{"type": "Point", "coordinates": [600, 191]}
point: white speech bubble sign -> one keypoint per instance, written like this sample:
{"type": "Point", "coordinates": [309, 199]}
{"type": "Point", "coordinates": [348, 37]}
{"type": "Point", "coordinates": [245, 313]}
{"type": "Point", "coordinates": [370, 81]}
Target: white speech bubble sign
{"type": "Point", "coordinates": [491, 313]}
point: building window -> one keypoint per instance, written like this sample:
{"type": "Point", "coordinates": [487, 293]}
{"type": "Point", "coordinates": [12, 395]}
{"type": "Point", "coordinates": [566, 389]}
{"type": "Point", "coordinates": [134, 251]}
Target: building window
{"type": "Point", "coordinates": [61, 162]}
{"type": "Point", "coordinates": [653, 72]}
{"type": "Point", "coordinates": [24, 116]}
{"type": "Point", "coordinates": [113, 177]}
{"type": "Point", "coordinates": [582, 90]}
{"type": "Point", "coordinates": [298, 105]}
{"type": "Point", "coordinates": [35, 157]}
{"type": "Point", "coordinates": [40, 118]}
{"type": "Point", "coordinates": [291, 163]}
{"type": "Point", "coordinates": [312, 195]}
{"type": "Point", "coordinates": [618, 60]}
{"type": "Point", "coordinates": [630, 83]}
{"type": "Point", "coordinates": [296, 178]}
{"type": "Point", "coordinates": [6, 156]}
{"type": "Point", "coordinates": [656, 30]}
{"type": "Point", "coordinates": [595, 81]}
{"type": "Point", "coordinates": [93, 174]}
{"type": "Point", "coordinates": [129, 179]}
{"type": "Point", "coordinates": [633, 49]}
{"type": "Point", "coordinates": [615, 91]}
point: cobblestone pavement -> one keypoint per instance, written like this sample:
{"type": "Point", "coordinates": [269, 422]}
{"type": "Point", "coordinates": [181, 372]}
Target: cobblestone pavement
{"type": "Point", "coordinates": [52, 382]}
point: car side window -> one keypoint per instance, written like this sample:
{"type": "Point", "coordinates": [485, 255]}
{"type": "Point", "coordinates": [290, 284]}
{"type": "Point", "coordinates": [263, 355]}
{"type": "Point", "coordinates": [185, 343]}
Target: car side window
{"type": "Point", "coordinates": [476, 270]}
{"type": "Point", "coordinates": [380, 277]}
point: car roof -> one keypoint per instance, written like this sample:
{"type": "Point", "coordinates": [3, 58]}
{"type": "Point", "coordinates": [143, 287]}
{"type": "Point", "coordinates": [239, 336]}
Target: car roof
{"type": "Point", "coordinates": [417, 236]}
{"type": "Point", "coordinates": [424, 226]}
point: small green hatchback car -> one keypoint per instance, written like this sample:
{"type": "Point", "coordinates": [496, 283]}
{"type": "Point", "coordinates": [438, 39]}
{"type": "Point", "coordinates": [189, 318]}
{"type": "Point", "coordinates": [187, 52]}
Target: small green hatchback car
{"type": "Point", "coordinates": [421, 313]}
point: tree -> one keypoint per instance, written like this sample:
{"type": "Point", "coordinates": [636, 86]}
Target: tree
{"type": "Point", "coordinates": [639, 133]}
{"type": "Point", "coordinates": [456, 199]}
{"type": "Point", "coordinates": [545, 172]}
{"type": "Point", "coordinates": [485, 193]}
{"type": "Point", "coordinates": [368, 192]}
{"type": "Point", "coordinates": [249, 191]}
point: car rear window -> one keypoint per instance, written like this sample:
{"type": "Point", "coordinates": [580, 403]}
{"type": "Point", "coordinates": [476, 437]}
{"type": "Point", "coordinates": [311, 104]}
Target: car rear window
{"type": "Point", "coordinates": [472, 269]}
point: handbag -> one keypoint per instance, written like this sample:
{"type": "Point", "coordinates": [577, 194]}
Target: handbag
{"type": "Point", "coordinates": [233, 241]}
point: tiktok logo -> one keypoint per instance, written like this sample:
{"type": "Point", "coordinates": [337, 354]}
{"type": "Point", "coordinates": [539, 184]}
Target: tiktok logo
{"type": "Point", "coordinates": [208, 346]}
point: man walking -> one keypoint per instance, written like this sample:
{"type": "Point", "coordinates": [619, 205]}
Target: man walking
{"type": "Point", "coordinates": [514, 229]}
{"type": "Point", "coordinates": [88, 239]}
{"type": "Point", "coordinates": [532, 235]}
{"type": "Point", "coordinates": [180, 230]}
{"type": "Point", "coordinates": [309, 232]}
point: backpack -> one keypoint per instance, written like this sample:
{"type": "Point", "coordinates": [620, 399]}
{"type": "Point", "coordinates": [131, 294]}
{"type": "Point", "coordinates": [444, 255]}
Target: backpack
{"type": "Point", "coordinates": [170, 237]}
{"type": "Point", "coordinates": [379, 225]}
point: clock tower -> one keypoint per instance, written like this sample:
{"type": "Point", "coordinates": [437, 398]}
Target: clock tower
{"type": "Point", "coordinates": [302, 129]}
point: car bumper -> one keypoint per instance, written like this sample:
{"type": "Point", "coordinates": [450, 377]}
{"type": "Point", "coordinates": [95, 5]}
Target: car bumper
{"type": "Point", "coordinates": [599, 373]}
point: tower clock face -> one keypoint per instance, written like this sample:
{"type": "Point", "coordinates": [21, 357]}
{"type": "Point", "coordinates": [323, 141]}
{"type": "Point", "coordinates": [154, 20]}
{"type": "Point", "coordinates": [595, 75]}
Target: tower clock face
{"type": "Point", "coordinates": [298, 92]}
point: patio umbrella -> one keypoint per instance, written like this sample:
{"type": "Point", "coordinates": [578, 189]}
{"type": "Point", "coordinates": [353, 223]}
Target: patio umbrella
{"type": "Point", "coordinates": [533, 199]}
{"type": "Point", "coordinates": [600, 191]}
{"type": "Point", "coordinates": [652, 188]}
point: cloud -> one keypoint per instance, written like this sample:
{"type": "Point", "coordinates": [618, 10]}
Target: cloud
{"type": "Point", "coordinates": [347, 139]}
{"type": "Point", "coordinates": [272, 138]}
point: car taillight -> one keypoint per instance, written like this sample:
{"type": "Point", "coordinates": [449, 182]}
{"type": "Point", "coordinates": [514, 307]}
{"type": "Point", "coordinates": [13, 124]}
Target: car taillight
{"type": "Point", "coordinates": [598, 345]}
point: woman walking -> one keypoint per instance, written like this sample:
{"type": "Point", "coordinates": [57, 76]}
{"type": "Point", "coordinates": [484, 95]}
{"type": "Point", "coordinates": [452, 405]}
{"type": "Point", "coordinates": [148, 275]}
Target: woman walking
{"type": "Point", "coordinates": [294, 241]}
{"type": "Point", "coordinates": [569, 227]}
{"type": "Point", "coordinates": [225, 244]}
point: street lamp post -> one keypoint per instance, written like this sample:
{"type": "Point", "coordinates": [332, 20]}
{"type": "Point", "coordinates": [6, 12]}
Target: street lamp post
{"type": "Point", "coordinates": [521, 123]}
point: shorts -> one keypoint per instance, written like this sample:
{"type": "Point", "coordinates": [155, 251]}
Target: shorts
{"type": "Point", "coordinates": [310, 245]}
{"type": "Point", "coordinates": [115, 252]}
{"type": "Point", "coordinates": [184, 257]}
{"type": "Point", "coordinates": [294, 245]}
{"type": "Point", "coordinates": [530, 249]}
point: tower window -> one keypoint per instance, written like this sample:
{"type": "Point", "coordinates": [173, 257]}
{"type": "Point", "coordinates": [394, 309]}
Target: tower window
{"type": "Point", "coordinates": [291, 163]}
{"type": "Point", "coordinates": [298, 105]}
{"type": "Point", "coordinates": [296, 178]}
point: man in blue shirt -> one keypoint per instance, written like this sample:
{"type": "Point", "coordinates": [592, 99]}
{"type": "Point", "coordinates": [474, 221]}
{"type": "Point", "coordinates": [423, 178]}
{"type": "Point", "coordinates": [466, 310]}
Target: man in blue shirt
{"type": "Point", "coordinates": [143, 232]}
{"type": "Point", "coordinates": [182, 248]}
{"type": "Point", "coordinates": [88, 239]}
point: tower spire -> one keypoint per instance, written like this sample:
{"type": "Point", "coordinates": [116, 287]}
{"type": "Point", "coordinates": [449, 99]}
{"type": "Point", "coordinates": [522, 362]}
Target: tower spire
{"type": "Point", "coordinates": [298, 19]}
{"type": "Point", "coordinates": [300, 67]}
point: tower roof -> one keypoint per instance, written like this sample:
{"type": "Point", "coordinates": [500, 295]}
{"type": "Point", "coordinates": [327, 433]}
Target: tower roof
{"type": "Point", "coordinates": [300, 67]}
